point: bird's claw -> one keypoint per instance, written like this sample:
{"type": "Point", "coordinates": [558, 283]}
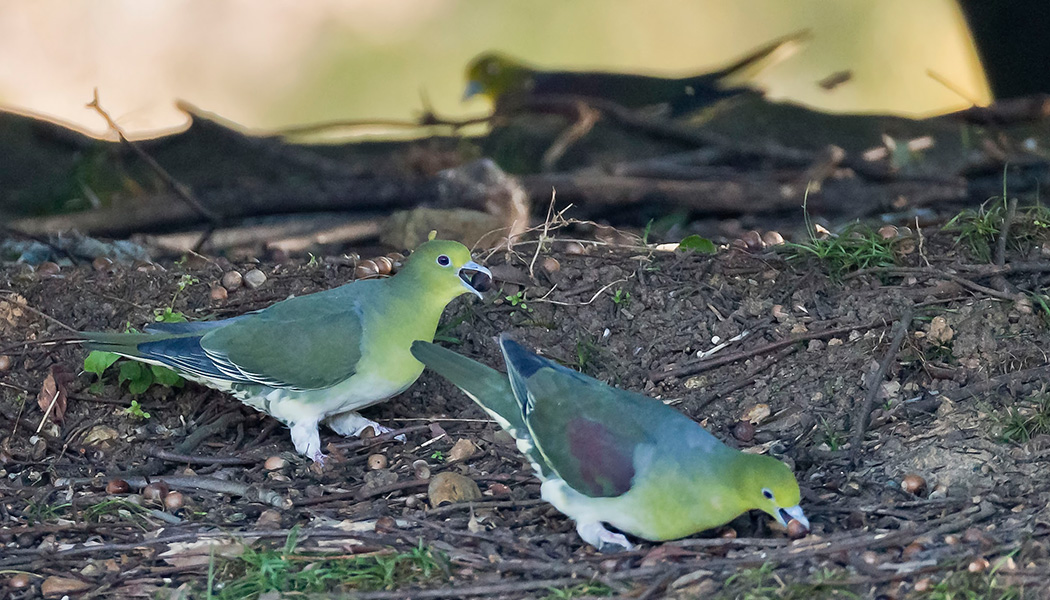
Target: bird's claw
{"type": "Point", "coordinates": [595, 534]}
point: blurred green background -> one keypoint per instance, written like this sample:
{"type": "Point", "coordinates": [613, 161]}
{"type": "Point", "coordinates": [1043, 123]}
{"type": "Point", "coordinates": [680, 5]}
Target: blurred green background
{"type": "Point", "coordinates": [274, 64]}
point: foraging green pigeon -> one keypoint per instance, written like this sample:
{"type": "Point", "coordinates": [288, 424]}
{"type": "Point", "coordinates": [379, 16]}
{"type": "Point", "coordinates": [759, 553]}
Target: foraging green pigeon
{"type": "Point", "coordinates": [610, 456]}
{"type": "Point", "coordinates": [320, 357]}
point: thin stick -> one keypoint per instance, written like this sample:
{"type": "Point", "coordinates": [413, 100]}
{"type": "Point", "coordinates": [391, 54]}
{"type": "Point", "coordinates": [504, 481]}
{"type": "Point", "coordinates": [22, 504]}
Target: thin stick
{"type": "Point", "coordinates": [1004, 233]}
{"type": "Point", "coordinates": [180, 189]}
{"type": "Point", "coordinates": [543, 235]}
{"type": "Point", "coordinates": [875, 384]}
{"type": "Point", "coordinates": [657, 376]}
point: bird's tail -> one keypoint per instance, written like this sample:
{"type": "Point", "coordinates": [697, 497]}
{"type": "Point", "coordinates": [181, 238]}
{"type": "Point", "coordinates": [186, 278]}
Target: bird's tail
{"type": "Point", "coordinates": [490, 389]}
{"type": "Point", "coordinates": [745, 69]}
{"type": "Point", "coordinates": [124, 344]}
{"type": "Point", "coordinates": [486, 386]}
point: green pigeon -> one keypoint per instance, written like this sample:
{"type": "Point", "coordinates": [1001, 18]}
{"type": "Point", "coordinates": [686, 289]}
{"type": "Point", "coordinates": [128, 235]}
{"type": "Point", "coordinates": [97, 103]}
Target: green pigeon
{"type": "Point", "coordinates": [608, 456]}
{"type": "Point", "coordinates": [501, 78]}
{"type": "Point", "coordinates": [317, 358]}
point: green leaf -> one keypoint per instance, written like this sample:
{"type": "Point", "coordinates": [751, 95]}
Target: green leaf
{"type": "Point", "coordinates": [165, 376]}
{"type": "Point", "coordinates": [97, 361]}
{"type": "Point", "coordinates": [142, 384]}
{"type": "Point", "coordinates": [699, 244]}
{"type": "Point", "coordinates": [130, 371]}
{"type": "Point", "coordinates": [138, 375]}
{"type": "Point", "coordinates": [167, 315]}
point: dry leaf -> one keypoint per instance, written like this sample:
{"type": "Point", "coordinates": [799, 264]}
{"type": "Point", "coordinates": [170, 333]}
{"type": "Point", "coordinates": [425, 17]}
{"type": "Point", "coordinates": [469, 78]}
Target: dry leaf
{"type": "Point", "coordinates": [52, 396]}
{"type": "Point", "coordinates": [100, 435]}
{"type": "Point", "coordinates": [12, 309]}
{"type": "Point", "coordinates": [756, 414]}
{"type": "Point", "coordinates": [200, 552]}
{"type": "Point", "coordinates": [61, 586]}
{"type": "Point", "coordinates": [462, 450]}
{"type": "Point", "coordinates": [448, 488]}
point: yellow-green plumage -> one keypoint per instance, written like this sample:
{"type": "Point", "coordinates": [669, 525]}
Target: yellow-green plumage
{"type": "Point", "coordinates": [610, 456]}
{"type": "Point", "coordinates": [315, 358]}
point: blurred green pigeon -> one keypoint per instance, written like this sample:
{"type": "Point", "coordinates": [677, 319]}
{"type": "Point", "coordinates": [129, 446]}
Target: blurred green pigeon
{"type": "Point", "coordinates": [320, 357]}
{"type": "Point", "coordinates": [502, 78]}
{"type": "Point", "coordinates": [608, 456]}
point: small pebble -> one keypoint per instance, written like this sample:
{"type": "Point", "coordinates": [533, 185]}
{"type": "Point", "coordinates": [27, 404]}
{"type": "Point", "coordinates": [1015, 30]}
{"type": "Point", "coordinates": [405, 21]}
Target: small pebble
{"type": "Point", "coordinates": [397, 258]}
{"type": "Point", "coordinates": [575, 248]}
{"type": "Point", "coordinates": [744, 431]}
{"type": "Point", "coordinates": [796, 530]}
{"type": "Point", "coordinates": [383, 264]}
{"type": "Point", "coordinates": [939, 491]}
{"type": "Point", "coordinates": [254, 278]}
{"type": "Point", "coordinates": [5, 362]}
{"type": "Point", "coordinates": [219, 293]}
{"type": "Point", "coordinates": [269, 519]}
{"type": "Point", "coordinates": [18, 581]}
{"type": "Point", "coordinates": [232, 280]}
{"type": "Point", "coordinates": [366, 269]}
{"type": "Point", "coordinates": [911, 551]}
{"type": "Point", "coordinates": [48, 269]}
{"type": "Point", "coordinates": [117, 486]}
{"type": "Point", "coordinates": [772, 238]}
{"type": "Point", "coordinates": [887, 232]}
{"type": "Point", "coordinates": [499, 489]}
{"type": "Point", "coordinates": [977, 565]}
{"type": "Point", "coordinates": [155, 491]}
{"type": "Point", "coordinates": [753, 240]}
{"type": "Point", "coordinates": [421, 469]}
{"type": "Point", "coordinates": [386, 524]}
{"type": "Point", "coordinates": [275, 463]}
{"type": "Point", "coordinates": [103, 264]}
{"type": "Point", "coordinates": [913, 484]}
{"type": "Point", "coordinates": [377, 461]}
{"type": "Point", "coordinates": [551, 265]}
{"type": "Point", "coordinates": [174, 501]}
{"type": "Point", "coordinates": [923, 585]}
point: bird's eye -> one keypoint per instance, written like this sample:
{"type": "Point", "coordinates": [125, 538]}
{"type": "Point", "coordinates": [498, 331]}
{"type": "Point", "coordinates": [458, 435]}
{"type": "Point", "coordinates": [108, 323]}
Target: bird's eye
{"type": "Point", "coordinates": [767, 493]}
{"type": "Point", "coordinates": [444, 261]}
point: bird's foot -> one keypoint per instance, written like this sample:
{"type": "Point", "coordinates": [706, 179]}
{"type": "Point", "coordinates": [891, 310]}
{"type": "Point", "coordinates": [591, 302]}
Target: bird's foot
{"type": "Point", "coordinates": [352, 424]}
{"type": "Point", "coordinates": [307, 441]}
{"type": "Point", "coordinates": [595, 534]}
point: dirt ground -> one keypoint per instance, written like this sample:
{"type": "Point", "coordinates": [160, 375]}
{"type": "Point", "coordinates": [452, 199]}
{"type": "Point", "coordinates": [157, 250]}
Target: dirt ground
{"type": "Point", "coordinates": [962, 409]}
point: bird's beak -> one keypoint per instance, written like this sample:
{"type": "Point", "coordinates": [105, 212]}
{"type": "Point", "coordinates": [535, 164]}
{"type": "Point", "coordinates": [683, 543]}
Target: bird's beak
{"type": "Point", "coordinates": [473, 89]}
{"type": "Point", "coordinates": [786, 515]}
{"type": "Point", "coordinates": [475, 277]}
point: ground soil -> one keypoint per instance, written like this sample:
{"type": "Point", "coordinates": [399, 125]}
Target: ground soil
{"type": "Point", "coordinates": [802, 348]}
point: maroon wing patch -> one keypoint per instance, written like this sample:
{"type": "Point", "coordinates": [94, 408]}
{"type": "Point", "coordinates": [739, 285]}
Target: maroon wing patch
{"type": "Point", "coordinates": [604, 463]}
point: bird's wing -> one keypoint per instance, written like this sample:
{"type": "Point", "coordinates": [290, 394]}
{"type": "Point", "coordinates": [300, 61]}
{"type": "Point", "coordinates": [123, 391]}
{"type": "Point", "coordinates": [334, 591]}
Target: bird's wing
{"type": "Point", "coordinates": [311, 342]}
{"type": "Point", "coordinates": [589, 433]}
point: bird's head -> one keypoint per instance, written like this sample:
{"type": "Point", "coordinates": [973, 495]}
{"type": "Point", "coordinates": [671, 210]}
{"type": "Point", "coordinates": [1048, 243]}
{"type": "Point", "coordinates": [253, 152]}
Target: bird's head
{"type": "Point", "coordinates": [769, 485]}
{"type": "Point", "coordinates": [493, 75]}
{"type": "Point", "coordinates": [446, 269]}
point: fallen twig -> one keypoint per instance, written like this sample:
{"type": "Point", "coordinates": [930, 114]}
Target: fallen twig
{"type": "Point", "coordinates": [657, 376]}
{"type": "Point", "coordinates": [875, 383]}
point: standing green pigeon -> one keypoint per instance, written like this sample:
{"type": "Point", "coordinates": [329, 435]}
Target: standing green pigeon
{"type": "Point", "coordinates": [610, 456]}
{"type": "Point", "coordinates": [320, 357]}
{"type": "Point", "coordinates": [502, 78]}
